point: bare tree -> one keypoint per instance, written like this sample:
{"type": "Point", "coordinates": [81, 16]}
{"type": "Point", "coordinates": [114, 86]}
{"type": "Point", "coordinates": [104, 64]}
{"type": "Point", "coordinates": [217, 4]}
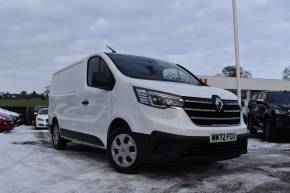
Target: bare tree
{"type": "Point", "coordinates": [247, 74]}
{"type": "Point", "coordinates": [286, 73]}
{"type": "Point", "coordinates": [46, 91]}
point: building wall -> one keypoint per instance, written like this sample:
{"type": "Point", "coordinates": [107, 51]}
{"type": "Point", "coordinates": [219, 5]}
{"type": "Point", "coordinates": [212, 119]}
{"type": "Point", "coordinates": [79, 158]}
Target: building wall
{"type": "Point", "coordinates": [249, 86]}
{"type": "Point", "coordinates": [247, 83]}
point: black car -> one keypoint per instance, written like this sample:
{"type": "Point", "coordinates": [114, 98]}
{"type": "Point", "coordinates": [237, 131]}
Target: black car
{"type": "Point", "coordinates": [269, 111]}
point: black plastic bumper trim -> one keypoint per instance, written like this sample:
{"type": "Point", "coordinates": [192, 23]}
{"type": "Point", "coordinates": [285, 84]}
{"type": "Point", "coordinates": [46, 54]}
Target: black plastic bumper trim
{"type": "Point", "coordinates": [160, 146]}
{"type": "Point", "coordinates": [82, 137]}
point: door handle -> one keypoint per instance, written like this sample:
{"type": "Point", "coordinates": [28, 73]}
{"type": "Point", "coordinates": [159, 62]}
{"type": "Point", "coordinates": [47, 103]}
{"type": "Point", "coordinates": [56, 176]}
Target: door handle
{"type": "Point", "coordinates": [85, 102]}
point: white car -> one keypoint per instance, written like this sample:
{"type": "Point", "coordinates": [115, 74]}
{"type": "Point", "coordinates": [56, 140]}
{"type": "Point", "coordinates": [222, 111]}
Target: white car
{"type": "Point", "coordinates": [141, 110]}
{"type": "Point", "coordinates": [41, 120]}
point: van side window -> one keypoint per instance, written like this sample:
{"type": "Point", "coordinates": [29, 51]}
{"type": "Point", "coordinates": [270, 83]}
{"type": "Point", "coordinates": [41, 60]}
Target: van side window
{"type": "Point", "coordinates": [99, 74]}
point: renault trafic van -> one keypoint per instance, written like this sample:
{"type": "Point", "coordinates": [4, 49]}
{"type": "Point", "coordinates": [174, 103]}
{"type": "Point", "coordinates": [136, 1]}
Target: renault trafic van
{"type": "Point", "coordinates": [143, 110]}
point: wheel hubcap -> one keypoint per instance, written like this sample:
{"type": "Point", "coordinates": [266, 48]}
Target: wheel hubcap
{"type": "Point", "coordinates": [55, 135]}
{"type": "Point", "coordinates": [124, 150]}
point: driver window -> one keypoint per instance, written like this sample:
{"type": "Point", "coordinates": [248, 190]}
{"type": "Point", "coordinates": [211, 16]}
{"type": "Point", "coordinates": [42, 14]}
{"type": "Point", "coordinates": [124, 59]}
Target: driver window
{"type": "Point", "coordinates": [95, 65]}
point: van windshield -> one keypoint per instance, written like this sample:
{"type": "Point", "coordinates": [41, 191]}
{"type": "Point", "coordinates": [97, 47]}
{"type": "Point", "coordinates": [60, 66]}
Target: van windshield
{"type": "Point", "coordinates": [151, 69]}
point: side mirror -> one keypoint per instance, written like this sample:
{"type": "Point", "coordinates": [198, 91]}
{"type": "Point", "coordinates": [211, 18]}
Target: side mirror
{"type": "Point", "coordinates": [102, 80]}
{"type": "Point", "coordinates": [260, 101]}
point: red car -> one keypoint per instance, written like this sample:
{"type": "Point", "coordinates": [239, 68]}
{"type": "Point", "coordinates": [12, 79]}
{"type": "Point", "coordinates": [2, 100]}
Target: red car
{"type": "Point", "coordinates": [6, 123]}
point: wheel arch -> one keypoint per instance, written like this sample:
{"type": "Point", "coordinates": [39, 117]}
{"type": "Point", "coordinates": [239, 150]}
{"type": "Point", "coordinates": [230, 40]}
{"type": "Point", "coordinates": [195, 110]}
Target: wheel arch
{"type": "Point", "coordinates": [54, 120]}
{"type": "Point", "coordinates": [117, 122]}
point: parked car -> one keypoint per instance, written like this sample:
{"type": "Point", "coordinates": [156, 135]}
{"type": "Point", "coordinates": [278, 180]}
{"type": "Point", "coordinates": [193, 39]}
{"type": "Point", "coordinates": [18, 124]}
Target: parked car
{"type": "Point", "coordinates": [143, 110]}
{"type": "Point", "coordinates": [16, 117]}
{"type": "Point", "coordinates": [35, 112]}
{"type": "Point", "coordinates": [6, 123]}
{"type": "Point", "coordinates": [269, 112]}
{"type": "Point", "coordinates": [42, 118]}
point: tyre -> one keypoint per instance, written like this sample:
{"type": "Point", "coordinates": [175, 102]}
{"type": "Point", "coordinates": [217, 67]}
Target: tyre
{"type": "Point", "coordinates": [268, 132]}
{"type": "Point", "coordinates": [251, 129]}
{"type": "Point", "coordinates": [123, 151]}
{"type": "Point", "coordinates": [57, 141]}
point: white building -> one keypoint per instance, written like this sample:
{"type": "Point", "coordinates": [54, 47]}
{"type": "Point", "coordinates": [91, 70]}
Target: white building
{"type": "Point", "coordinates": [249, 86]}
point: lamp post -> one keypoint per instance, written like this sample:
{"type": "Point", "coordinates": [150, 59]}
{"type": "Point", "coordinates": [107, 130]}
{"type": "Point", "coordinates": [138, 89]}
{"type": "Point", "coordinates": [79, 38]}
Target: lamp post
{"type": "Point", "coordinates": [237, 51]}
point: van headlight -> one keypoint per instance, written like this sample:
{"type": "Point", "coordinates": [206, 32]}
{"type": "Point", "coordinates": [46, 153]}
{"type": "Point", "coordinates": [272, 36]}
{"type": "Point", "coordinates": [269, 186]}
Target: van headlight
{"type": "Point", "coordinates": [157, 99]}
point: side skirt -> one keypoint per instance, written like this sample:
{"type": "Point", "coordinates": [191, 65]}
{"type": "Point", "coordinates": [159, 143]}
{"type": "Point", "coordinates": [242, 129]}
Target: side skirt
{"type": "Point", "coordinates": [82, 138]}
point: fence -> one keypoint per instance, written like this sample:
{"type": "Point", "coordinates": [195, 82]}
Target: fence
{"type": "Point", "coordinates": [26, 113]}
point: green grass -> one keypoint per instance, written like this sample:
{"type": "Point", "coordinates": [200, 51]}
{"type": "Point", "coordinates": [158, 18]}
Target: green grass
{"type": "Point", "coordinates": [22, 102]}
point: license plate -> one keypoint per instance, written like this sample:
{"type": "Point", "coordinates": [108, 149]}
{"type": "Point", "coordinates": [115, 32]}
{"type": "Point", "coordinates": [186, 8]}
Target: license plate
{"type": "Point", "coordinates": [222, 137]}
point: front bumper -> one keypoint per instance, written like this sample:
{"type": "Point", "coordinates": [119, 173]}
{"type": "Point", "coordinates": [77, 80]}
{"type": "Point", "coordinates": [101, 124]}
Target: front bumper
{"type": "Point", "coordinates": [165, 147]}
{"type": "Point", "coordinates": [41, 124]}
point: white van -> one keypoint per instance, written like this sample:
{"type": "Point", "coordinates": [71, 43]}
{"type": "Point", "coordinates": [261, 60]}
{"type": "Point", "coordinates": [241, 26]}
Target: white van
{"type": "Point", "coordinates": [141, 110]}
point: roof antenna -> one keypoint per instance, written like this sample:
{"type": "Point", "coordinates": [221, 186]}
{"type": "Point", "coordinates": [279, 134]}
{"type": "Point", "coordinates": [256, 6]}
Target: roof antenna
{"type": "Point", "coordinates": [113, 51]}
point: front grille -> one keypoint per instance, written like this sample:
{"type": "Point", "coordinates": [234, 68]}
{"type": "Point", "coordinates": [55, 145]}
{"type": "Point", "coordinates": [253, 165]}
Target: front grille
{"type": "Point", "coordinates": [203, 112]}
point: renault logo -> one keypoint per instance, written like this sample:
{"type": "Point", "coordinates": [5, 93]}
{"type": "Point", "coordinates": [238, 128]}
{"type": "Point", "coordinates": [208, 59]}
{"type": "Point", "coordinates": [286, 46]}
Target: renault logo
{"type": "Point", "coordinates": [217, 102]}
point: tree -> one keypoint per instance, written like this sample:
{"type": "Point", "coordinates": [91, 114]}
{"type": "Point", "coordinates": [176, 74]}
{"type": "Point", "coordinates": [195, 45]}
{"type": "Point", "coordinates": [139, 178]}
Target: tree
{"type": "Point", "coordinates": [7, 95]}
{"type": "Point", "coordinates": [23, 94]}
{"type": "Point", "coordinates": [34, 95]}
{"type": "Point", "coordinates": [46, 91]}
{"type": "Point", "coordinates": [247, 74]}
{"type": "Point", "coordinates": [286, 73]}
{"type": "Point", "coordinates": [230, 71]}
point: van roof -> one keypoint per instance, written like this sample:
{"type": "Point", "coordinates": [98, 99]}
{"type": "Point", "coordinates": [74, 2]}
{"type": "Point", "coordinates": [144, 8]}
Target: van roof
{"type": "Point", "coordinates": [75, 63]}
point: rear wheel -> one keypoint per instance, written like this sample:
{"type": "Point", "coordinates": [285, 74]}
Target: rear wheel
{"type": "Point", "coordinates": [123, 151]}
{"type": "Point", "coordinates": [251, 129]}
{"type": "Point", "coordinates": [57, 141]}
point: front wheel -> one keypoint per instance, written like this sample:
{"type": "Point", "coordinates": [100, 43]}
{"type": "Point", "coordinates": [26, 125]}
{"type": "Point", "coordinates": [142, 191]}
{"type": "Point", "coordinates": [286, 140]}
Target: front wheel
{"type": "Point", "coordinates": [123, 151]}
{"type": "Point", "coordinates": [57, 141]}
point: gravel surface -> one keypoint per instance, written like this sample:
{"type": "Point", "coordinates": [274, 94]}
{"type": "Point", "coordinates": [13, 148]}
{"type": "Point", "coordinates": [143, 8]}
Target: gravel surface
{"type": "Point", "coordinates": [29, 164]}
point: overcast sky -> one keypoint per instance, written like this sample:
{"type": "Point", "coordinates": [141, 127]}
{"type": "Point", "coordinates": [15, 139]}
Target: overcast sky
{"type": "Point", "coordinates": [39, 37]}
